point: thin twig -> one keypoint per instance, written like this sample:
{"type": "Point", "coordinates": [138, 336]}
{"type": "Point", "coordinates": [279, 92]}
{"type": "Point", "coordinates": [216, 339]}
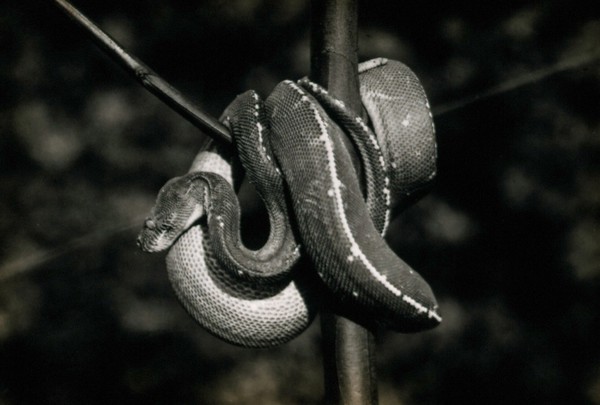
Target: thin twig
{"type": "Point", "coordinates": [348, 348]}
{"type": "Point", "coordinates": [519, 81]}
{"type": "Point", "coordinates": [148, 78]}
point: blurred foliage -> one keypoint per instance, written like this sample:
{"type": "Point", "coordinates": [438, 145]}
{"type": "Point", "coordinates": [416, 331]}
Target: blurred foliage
{"type": "Point", "coordinates": [509, 238]}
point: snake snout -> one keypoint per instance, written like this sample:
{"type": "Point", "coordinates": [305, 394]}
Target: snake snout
{"type": "Point", "coordinates": [139, 243]}
{"type": "Point", "coordinates": [152, 242]}
{"type": "Point", "coordinates": [142, 242]}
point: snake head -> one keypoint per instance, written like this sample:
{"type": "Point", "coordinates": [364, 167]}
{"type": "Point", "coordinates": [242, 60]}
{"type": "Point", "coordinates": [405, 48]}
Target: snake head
{"type": "Point", "coordinates": [178, 206]}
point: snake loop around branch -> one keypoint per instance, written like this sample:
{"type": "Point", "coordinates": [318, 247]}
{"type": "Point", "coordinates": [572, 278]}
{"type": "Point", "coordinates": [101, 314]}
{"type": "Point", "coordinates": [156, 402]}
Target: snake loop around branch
{"type": "Point", "coordinates": [295, 138]}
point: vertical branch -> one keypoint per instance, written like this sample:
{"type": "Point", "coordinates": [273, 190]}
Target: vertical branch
{"type": "Point", "coordinates": [348, 348]}
{"type": "Point", "coordinates": [334, 58]}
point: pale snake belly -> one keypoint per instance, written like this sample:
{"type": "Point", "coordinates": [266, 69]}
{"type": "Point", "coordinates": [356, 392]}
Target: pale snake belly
{"type": "Point", "coordinates": [258, 298]}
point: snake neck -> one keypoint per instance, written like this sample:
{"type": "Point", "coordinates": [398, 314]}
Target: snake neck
{"type": "Point", "coordinates": [249, 124]}
{"type": "Point", "coordinates": [270, 264]}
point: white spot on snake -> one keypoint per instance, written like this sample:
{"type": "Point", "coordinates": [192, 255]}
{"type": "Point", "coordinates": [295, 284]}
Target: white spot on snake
{"type": "Point", "coordinates": [355, 294]}
{"type": "Point", "coordinates": [350, 258]}
{"type": "Point", "coordinates": [330, 192]}
{"type": "Point", "coordinates": [371, 64]}
{"type": "Point", "coordinates": [261, 140]}
{"type": "Point", "coordinates": [314, 87]}
{"type": "Point", "coordinates": [405, 122]}
{"type": "Point", "coordinates": [340, 103]}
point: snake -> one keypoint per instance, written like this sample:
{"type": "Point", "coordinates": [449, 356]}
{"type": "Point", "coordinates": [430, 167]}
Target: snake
{"type": "Point", "coordinates": [291, 148]}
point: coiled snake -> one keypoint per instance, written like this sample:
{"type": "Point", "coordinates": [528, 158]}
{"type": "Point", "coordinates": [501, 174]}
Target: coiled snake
{"type": "Point", "coordinates": [291, 148]}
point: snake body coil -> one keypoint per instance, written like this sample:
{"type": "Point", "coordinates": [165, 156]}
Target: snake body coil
{"type": "Point", "coordinates": [257, 298]}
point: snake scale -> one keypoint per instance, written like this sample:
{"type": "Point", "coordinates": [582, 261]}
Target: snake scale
{"type": "Point", "coordinates": [291, 148]}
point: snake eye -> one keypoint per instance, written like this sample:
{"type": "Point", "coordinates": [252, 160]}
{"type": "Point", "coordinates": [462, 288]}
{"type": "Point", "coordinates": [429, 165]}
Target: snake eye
{"type": "Point", "coordinates": [150, 224]}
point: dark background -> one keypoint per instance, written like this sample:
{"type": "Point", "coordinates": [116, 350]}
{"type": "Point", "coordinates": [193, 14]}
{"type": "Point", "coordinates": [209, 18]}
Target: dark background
{"type": "Point", "coordinates": [509, 237]}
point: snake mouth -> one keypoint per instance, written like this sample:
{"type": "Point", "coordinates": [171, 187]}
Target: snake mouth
{"type": "Point", "coordinates": [151, 242]}
{"type": "Point", "coordinates": [142, 243]}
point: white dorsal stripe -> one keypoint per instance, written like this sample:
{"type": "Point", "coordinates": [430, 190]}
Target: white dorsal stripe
{"type": "Point", "coordinates": [355, 249]}
{"type": "Point", "coordinates": [316, 88]}
{"type": "Point", "coordinates": [261, 139]}
{"type": "Point", "coordinates": [371, 64]}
